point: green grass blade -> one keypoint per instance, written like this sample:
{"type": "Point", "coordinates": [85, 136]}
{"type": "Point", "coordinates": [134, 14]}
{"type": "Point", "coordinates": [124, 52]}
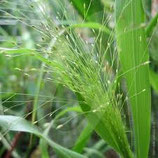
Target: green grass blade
{"type": "Point", "coordinates": [154, 79]}
{"type": "Point", "coordinates": [151, 25]}
{"type": "Point", "coordinates": [132, 46]}
{"type": "Point", "coordinates": [44, 149]}
{"type": "Point", "coordinates": [83, 138]}
{"type": "Point", "coordinates": [14, 123]}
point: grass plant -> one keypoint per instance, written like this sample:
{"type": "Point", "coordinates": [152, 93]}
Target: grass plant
{"type": "Point", "coordinates": [95, 60]}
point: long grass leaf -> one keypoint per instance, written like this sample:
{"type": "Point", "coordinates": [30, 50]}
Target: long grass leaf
{"type": "Point", "coordinates": [154, 79]}
{"type": "Point", "coordinates": [14, 123]}
{"type": "Point", "coordinates": [132, 47]}
{"type": "Point", "coordinates": [83, 138]}
{"type": "Point", "coordinates": [152, 24]}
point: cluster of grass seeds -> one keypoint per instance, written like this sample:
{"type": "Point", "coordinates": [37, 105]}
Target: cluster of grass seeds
{"type": "Point", "coordinates": [84, 72]}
